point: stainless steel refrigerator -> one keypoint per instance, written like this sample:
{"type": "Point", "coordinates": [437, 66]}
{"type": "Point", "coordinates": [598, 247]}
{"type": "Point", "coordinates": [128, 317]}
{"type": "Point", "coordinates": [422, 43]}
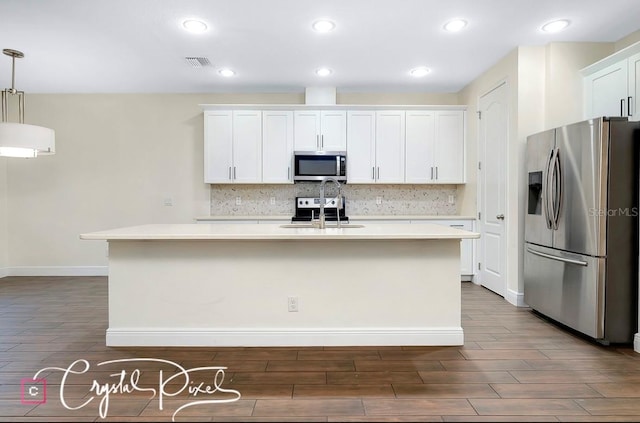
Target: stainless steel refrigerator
{"type": "Point", "coordinates": [581, 227]}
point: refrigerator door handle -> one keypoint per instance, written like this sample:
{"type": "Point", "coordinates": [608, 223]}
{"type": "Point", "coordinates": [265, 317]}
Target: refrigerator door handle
{"type": "Point", "coordinates": [545, 192]}
{"type": "Point", "coordinates": [557, 198]}
{"type": "Point", "coordinates": [562, 259]}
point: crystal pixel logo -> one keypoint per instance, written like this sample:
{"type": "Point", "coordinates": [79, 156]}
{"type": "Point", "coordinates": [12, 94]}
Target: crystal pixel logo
{"type": "Point", "coordinates": [33, 391]}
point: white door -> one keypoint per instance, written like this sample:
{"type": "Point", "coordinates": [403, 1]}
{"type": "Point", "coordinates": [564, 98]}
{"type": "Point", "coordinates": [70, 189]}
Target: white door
{"type": "Point", "coordinates": [333, 130]}
{"type": "Point", "coordinates": [390, 146]}
{"type": "Point", "coordinates": [306, 130]}
{"type": "Point", "coordinates": [361, 143]}
{"type": "Point", "coordinates": [247, 146]}
{"type": "Point", "coordinates": [492, 175]}
{"type": "Point", "coordinates": [277, 146]}
{"type": "Point", "coordinates": [218, 153]}
{"type": "Point", "coordinates": [606, 91]}
{"type": "Point", "coordinates": [420, 135]}
{"type": "Point", "coordinates": [449, 147]}
{"type": "Point", "coordinates": [634, 87]}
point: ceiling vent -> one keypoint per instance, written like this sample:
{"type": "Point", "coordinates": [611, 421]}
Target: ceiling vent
{"type": "Point", "coordinates": [198, 62]}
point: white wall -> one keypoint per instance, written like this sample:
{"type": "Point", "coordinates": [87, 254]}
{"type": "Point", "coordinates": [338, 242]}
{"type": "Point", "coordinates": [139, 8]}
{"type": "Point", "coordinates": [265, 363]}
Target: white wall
{"type": "Point", "coordinates": [4, 247]}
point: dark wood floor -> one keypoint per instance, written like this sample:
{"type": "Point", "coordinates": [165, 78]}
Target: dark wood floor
{"type": "Point", "coordinates": [514, 366]}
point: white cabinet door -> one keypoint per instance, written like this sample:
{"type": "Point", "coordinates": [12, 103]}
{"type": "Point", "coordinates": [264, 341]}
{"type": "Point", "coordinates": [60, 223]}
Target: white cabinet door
{"type": "Point", "coordinates": [306, 130]}
{"type": "Point", "coordinates": [247, 146]}
{"type": "Point", "coordinates": [277, 146]}
{"type": "Point", "coordinates": [435, 147]}
{"type": "Point", "coordinates": [606, 91]}
{"type": "Point", "coordinates": [333, 130]}
{"type": "Point", "coordinates": [449, 147]}
{"type": "Point", "coordinates": [361, 141]}
{"type": "Point", "coordinates": [420, 130]}
{"type": "Point", "coordinates": [390, 127]}
{"type": "Point", "coordinates": [320, 130]}
{"type": "Point", "coordinates": [634, 87]}
{"type": "Point", "coordinates": [218, 152]}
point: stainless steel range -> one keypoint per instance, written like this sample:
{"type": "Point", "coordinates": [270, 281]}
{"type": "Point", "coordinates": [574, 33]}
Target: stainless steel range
{"type": "Point", "coordinates": [308, 208]}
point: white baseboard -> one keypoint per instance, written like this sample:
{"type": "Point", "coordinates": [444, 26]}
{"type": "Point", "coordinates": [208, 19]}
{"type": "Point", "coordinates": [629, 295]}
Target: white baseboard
{"type": "Point", "coordinates": [4, 272]}
{"type": "Point", "coordinates": [516, 298]}
{"type": "Point", "coordinates": [636, 343]}
{"type": "Point", "coordinates": [56, 271]}
{"type": "Point", "coordinates": [176, 337]}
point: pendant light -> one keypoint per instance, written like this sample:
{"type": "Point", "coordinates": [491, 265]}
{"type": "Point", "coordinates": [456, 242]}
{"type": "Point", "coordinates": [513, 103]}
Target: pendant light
{"type": "Point", "coordinates": [19, 139]}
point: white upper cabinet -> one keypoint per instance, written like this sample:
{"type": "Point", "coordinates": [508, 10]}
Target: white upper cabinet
{"type": "Point", "coordinates": [606, 91]}
{"type": "Point", "coordinates": [384, 145]}
{"type": "Point", "coordinates": [375, 147]}
{"type": "Point", "coordinates": [435, 147]}
{"type": "Point", "coordinates": [361, 146]}
{"type": "Point", "coordinates": [390, 134]}
{"type": "Point", "coordinates": [634, 87]}
{"type": "Point", "coordinates": [233, 146]}
{"type": "Point", "coordinates": [277, 146]}
{"type": "Point", "coordinates": [612, 85]}
{"type": "Point", "coordinates": [320, 130]}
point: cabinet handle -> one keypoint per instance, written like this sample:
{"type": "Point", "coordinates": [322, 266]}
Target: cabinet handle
{"type": "Point", "coordinates": [432, 172]}
{"type": "Point", "coordinates": [322, 142]}
{"type": "Point", "coordinates": [234, 172]}
{"type": "Point", "coordinates": [378, 172]}
{"type": "Point", "coordinates": [289, 172]}
{"type": "Point", "coordinates": [373, 173]}
{"type": "Point", "coordinates": [629, 106]}
{"type": "Point", "coordinates": [622, 107]}
{"type": "Point", "coordinates": [318, 142]}
{"type": "Point", "coordinates": [436, 172]}
{"type": "Point", "coordinates": [229, 172]}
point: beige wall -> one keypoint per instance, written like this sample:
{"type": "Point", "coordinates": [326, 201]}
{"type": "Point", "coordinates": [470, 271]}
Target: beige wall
{"type": "Point", "coordinates": [118, 157]}
{"type": "Point", "coordinates": [632, 38]}
{"type": "Point", "coordinates": [4, 247]}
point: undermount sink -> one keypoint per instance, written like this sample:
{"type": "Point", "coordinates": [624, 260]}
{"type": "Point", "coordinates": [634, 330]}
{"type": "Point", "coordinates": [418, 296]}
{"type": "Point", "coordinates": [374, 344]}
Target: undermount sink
{"type": "Point", "coordinates": [327, 225]}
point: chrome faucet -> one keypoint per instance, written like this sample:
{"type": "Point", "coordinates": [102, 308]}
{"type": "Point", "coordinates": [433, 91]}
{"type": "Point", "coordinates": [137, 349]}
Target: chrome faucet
{"type": "Point", "coordinates": [321, 224]}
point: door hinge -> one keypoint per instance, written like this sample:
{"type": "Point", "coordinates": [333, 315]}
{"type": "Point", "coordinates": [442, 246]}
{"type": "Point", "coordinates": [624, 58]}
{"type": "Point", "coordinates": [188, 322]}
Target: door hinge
{"type": "Point", "coordinates": [479, 114]}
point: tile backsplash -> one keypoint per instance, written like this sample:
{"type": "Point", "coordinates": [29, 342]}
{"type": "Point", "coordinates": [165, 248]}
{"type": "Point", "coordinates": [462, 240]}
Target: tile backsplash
{"type": "Point", "coordinates": [256, 200]}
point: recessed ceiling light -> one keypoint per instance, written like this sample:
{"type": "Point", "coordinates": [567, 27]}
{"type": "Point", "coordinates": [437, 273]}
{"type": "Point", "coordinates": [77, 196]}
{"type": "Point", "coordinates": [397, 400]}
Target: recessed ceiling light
{"type": "Point", "coordinates": [419, 71]}
{"type": "Point", "coordinates": [226, 72]}
{"type": "Point", "coordinates": [195, 26]}
{"type": "Point", "coordinates": [324, 72]}
{"type": "Point", "coordinates": [455, 25]}
{"type": "Point", "coordinates": [323, 25]}
{"type": "Point", "coordinates": [555, 26]}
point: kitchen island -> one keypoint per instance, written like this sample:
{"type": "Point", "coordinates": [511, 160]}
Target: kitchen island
{"type": "Point", "coordinates": [267, 285]}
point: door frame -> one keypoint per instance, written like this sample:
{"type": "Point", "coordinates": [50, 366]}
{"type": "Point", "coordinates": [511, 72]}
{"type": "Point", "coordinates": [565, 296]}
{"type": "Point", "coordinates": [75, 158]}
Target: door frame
{"type": "Point", "coordinates": [479, 189]}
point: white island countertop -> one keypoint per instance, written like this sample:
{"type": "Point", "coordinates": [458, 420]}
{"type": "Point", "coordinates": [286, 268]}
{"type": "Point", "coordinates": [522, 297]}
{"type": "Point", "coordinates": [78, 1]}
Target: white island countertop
{"type": "Point", "coordinates": [275, 231]}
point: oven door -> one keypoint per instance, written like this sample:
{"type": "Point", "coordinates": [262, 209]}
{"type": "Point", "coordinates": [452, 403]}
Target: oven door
{"type": "Point", "coordinates": [315, 166]}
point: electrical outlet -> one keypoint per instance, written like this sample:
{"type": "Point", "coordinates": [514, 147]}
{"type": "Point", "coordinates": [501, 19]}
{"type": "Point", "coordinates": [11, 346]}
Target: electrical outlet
{"type": "Point", "coordinates": [238, 201]}
{"type": "Point", "coordinates": [292, 303]}
{"type": "Point", "coordinates": [451, 199]}
{"type": "Point", "coordinates": [272, 200]}
{"type": "Point", "coordinates": [378, 200]}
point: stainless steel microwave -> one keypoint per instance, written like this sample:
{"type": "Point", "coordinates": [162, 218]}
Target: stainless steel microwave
{"type": "Point", "coordinates": [317, 165]}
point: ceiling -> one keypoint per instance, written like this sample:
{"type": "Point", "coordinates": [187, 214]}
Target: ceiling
{"type": "Point", "coordinates": [139, 46]}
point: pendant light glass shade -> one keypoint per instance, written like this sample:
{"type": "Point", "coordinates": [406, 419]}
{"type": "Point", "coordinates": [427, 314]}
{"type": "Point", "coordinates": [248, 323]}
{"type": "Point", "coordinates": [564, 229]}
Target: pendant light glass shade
{"type": "Point", "coordinates": [22, 140]}
{"type": "Point", "coordinates": [19, 139]}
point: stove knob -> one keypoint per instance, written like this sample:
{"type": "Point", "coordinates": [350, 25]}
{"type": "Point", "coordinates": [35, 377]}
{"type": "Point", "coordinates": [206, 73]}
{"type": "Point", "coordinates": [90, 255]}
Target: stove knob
{"type": "Point", "coordinates": [306, 202]}
{"type": "Point", "coordinates": [333, 201]}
